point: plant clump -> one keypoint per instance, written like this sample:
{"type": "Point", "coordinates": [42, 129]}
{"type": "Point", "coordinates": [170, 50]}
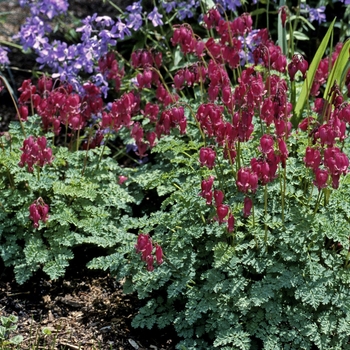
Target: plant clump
{"type": "Point", "coordinates": [211, 165]}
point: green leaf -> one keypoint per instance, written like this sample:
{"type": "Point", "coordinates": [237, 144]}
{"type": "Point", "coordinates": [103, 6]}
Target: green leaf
{"type": "Point", "coordinates": [282, 36]}
{"type": "Point", "coordinates": [300, 36]}
{"type": "Point", "coordinates": [339, 70]}
{"type": "Point", "coordinates": [2, 333]}
{"type": "Point", "coordinates": [305, 91]}
{"type": "Point", "coordinates": [292, 18]}
{"type": "Point", "coordinates": [56, 268]}
{"type": "Point", "coordinates": [209, 4]}
{"type": "Point", "coordinates": [16, 340]}
{"type": "Point", "coordinates": [46, 331]}
{"type": "Point", "coordinates": [257, 12]}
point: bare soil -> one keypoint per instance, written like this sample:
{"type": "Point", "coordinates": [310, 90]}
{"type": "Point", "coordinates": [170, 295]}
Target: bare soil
{"type": "Point", "coordinates": [84, 310]}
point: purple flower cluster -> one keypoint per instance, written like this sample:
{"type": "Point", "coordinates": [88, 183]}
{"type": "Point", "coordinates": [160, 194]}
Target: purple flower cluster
{"type": "Point", "coordinates": [315, 14]}
{"type": "Point", "coordinates": [231, 5]}
{"type": "Point", "coordinates": [249, 43]}
{"type": "Point", "coordinates": [346, 2]}
{"type": "Point", "coordinates": [184, 8]}
{"type": "Point", "coordinates": [97, 34]}
{"type": "Point", "coordinates": [49, 8]}
{"type": "Point", "coordinates": [3, 56]}
{"type": "Point", "coordinates": [134, 16]}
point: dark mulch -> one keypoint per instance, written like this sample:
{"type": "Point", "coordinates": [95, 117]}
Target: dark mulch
{"type": "Point", "coordinates": [84, 310]}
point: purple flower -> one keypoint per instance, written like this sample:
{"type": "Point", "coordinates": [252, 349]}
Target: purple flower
{"type": "Point", "coordinates": [121, 29]}
{"type": "Point", "coordinates": [134, 21]}
{"type": "Point", "coordinates": [3, 55]}
{"type": "Point", "coordinates": [98, 33]}
{"type": "Point", "coordinates": [346, 2]}
{"type": "Point", "coordinates": [249, 43]}
{"type": "Point", "coordinates": [86, 29]}
{"type": "Point", "coordinates": [108, 38]}
{"type": "Point", "coordinates": [155, 17]}
{"type": "Point", "coordinates": [131, 147]}
{"type": "Point", "coordinates": [186, 9]}
{"type": "Point", "coordinates": [51, 54]}
{"type": "Point", "coordinates": [184, 13]}
{"type": "Point", "coordinates": [229, 4]}
{"type": "Point", "coordinates": [99, 80]}
{"type": "Point", "coordinates": [315, 14]}
{"type": "Point", "coordinates": [136, 7]}
{"type": "Point", "coordinates": [168, 6]}
{"type": "Point", "coordinates": [49, 8]}
{"type": "Point", "coordinates": [33, 33]}
{"type": "Point", "coordinates": [52, 8]}
{"type": "Point", "coordinates": [104, 21]}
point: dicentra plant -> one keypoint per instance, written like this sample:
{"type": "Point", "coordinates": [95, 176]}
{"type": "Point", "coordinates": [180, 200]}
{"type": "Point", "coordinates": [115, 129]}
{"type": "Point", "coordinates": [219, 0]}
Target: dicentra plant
{"type": "Point", "coordinates": [254, 226]}
{"type": "Point", "coordinates": [242, 152]}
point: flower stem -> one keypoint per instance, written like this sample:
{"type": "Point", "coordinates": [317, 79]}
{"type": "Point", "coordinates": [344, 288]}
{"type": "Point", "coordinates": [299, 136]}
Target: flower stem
{"type": "Point", "coordinates": [265, 206]}
{"type": "Point", "coordinates": [9, 89]}
{"type": "Point", "coordinates": [318, 201]}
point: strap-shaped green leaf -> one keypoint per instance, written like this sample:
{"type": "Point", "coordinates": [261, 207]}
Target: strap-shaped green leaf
{"type": "Point", "coordinates": [305, 91]}
{"type": "Point", "coordinates": [282, 35]}
{"type": "Point", "coordinates": [339, 70]}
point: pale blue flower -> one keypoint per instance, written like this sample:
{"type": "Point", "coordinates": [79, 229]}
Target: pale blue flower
{"type": "Point", "coordinates": [155, 17]}
{"type": "Point", "coordinates": [3, 55]}
{"type": "Point", "coordinates": [134, 21]}
{"type": "Point", "coordinates": [136, 7]}
{"type": "Point", "coordinates": [122, 29]}
{"type": "Point", "coordinates": [168, 5]}
{"type": "Point", "coordinates": [317, 14]}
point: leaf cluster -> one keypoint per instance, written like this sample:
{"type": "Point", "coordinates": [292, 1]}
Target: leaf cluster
{"type": "Point", "coordinates": [87, 206]}
{"type": "Point", "coordinates": [241, 290]}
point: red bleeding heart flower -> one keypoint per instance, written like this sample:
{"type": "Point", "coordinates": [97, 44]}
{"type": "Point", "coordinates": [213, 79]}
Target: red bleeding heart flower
{"type": "Point", "coordinates": [35, 152]}
{"type": "Point", "coordinates": [144, 246]}
{"type": "Point", "coordinates": [248, 204]}
{"type": "Point", "coordinates": [38, 210]}
{"type": "Point", "coordinates": [321, 178]}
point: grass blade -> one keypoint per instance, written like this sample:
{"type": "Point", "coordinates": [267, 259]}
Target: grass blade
{"type": "Point", "coordinates": [305, 91]}
{"type": "Point", "coordinates": [338, 72]}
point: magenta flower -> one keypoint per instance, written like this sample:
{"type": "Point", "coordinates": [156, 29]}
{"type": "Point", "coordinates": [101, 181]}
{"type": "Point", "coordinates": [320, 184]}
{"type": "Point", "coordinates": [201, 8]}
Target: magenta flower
{"type": "Point", "coordinates": [38, 210]}
{"type": "Point", "coordinates": [122, 179]}
{"type": "Point", "coordinates": [248, 204]}
{"type": "Point", "coordinates": [207, 157]}
{"type": "Point", "coordinates": [321, 177]}
{"type": "Point", "coordinates": [145, 247]}
{"type": "Point", "coordinates": [312, 158]}
{"type": "Point", "coordinates": [149, 261]}
{"type": "Point", "coordinates": [35, 152]}
{"type": "Point", "coordinates": [219, 197]}
{"type": "Point", "coordinates": [206, 192]}
{"type": "Point", "coordinates": [147, 250]}
{"type": "Point", "coordinates": [266, 144]}
{"type": "Point", "coordinates": [230, 223]}
{"type": "Point", "coordinates": [159, 254]}
{"type": "Point", "coordinates": [247, 179]}
{"type": "Point", "coordinates": [142, 241]}
{"type": "Point", "coordinates": [243, 180]}
{"type": "Point", "coordinates": [222, 211]}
